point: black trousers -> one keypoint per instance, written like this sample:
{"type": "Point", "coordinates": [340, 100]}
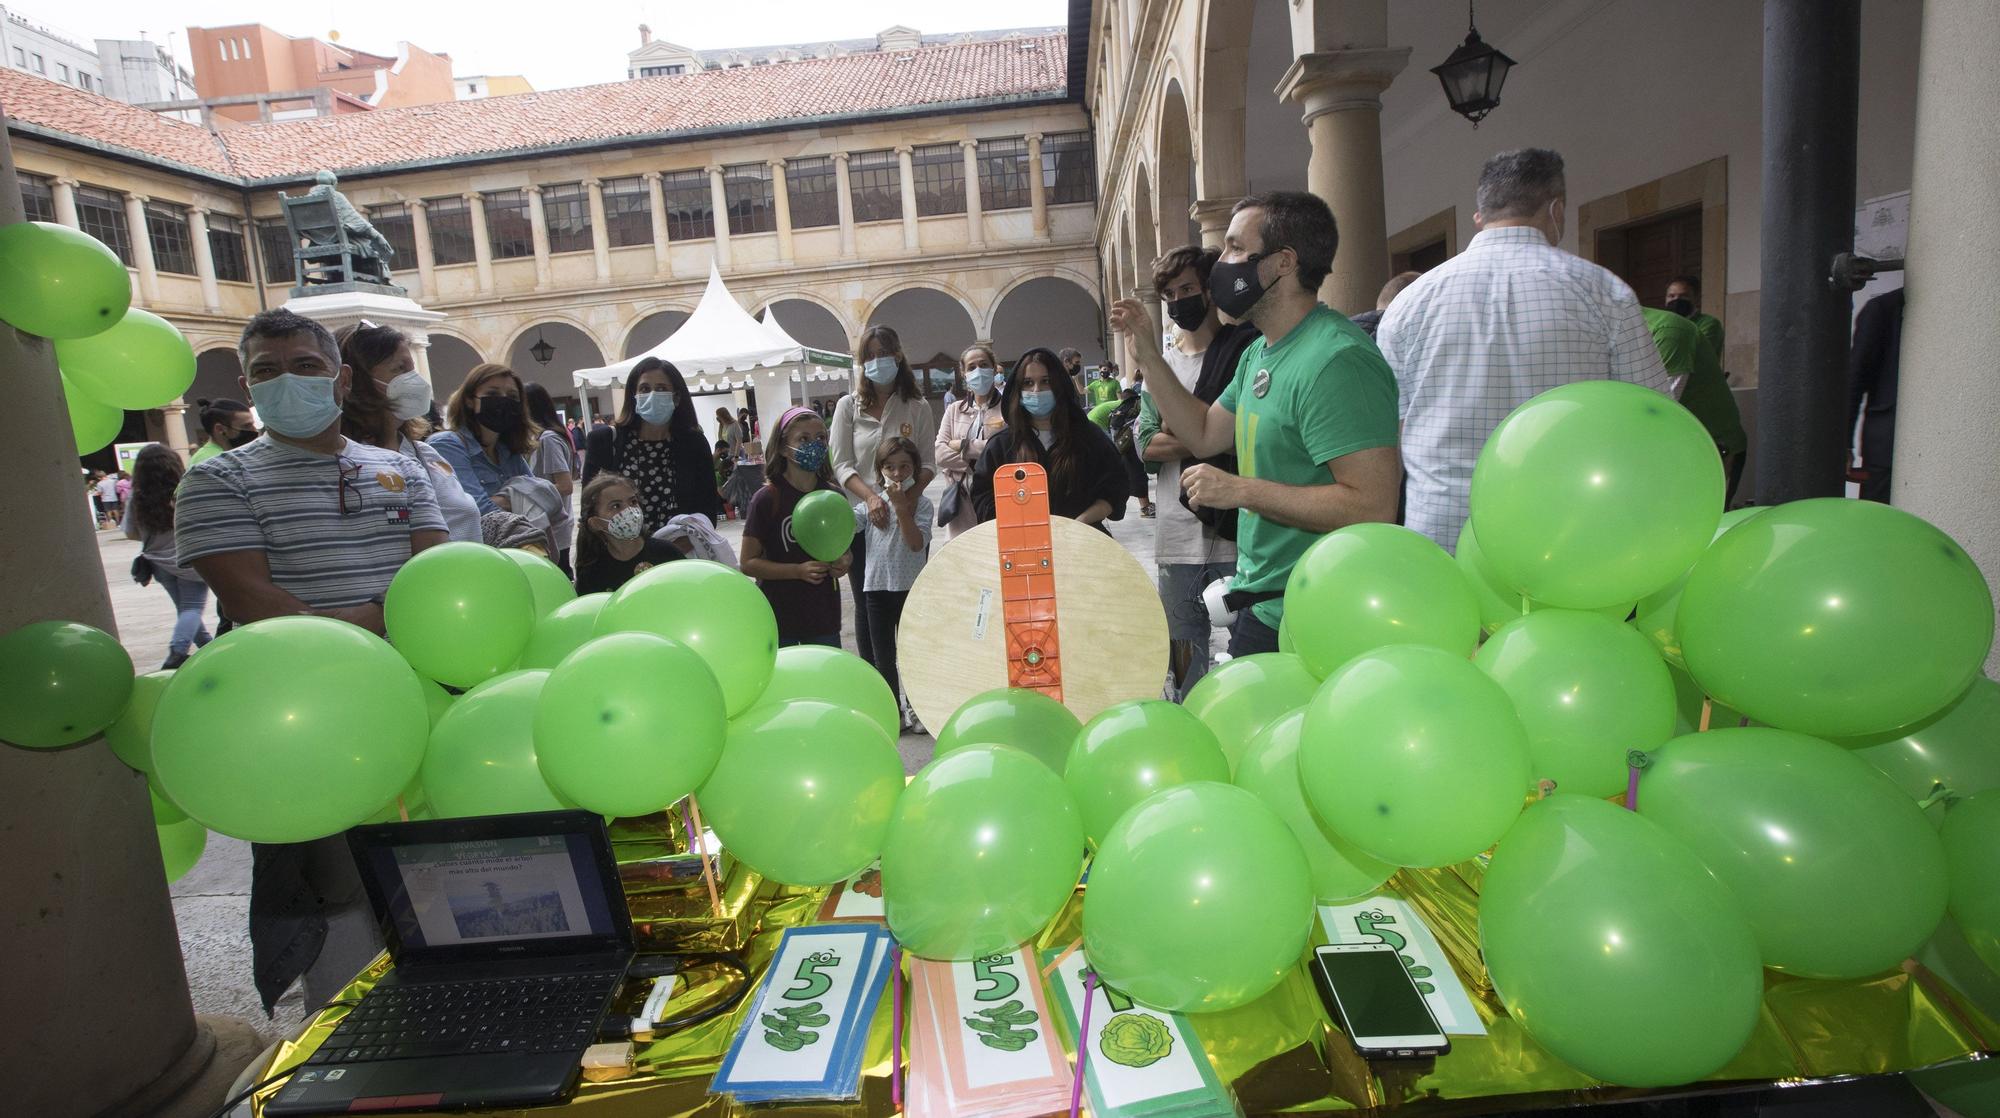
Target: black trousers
{"type": "Point", "coordinates": [864, 643]}
{"type": "Point", "coordinates": [884, 613]}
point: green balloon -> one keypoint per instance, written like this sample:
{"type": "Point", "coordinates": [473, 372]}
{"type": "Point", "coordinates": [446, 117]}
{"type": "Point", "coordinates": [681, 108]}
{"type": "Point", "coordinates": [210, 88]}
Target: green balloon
{"type": "Point", "coordinates": [481, 759]}
{"type": "Point", "coordinates": [412, 802]}
{"type": "Point", "coordinates": [1613, 947]}
{"type": "Point", "coordinates": [141, 362]}
{"type": "Point", "coordinates": [814, 671]}
{"type": "Point", "coordinates": [58, 282]}
{"type": "Point", "coordinates": [437, 700]}
{"type": "Point", "coordinates": [1238, 698]}
{"type": "Point", "coordinates": [1498, 606]}
{"type": "Point", "coordinates": [1595, 493]}
{"type": "Point", "coordinates": [165, 811]}
{"type": "Point", "coordinates": [629, 723]}
{"type": "Point", "coordinates": [1836, 618]}
{"type": "Point", "coordinates": [92, 425]}
{"type": "Point", "coordinates": [1270, 771]}
{"type": "Point", "coordinates": [823, 523]}
{"type": "Point", "coordinates": [60, 682]}
{"type": "Point", "coordinates": [804, 791]}
{"type": "Point", "coordinates": [1971, 838]}
{"type": "Point", "coordinates": [710, 608]}
{"type": "Point", "coordinates": [983, 849]}
{"type": "Point", "coordinates": [1370, 585]}
{"type": "Point", "coordinates": [550, 586]}
{"type": "Point", "coordinates": [1027, 720]}
{"type": "Point", "coordinates": [1800, 831]}
{"type": "Point", "coordinates": [1132, 750]}
{"type": "Point", "coordinates": [1414, 756]}
{"type": "Point", "coordinates": [1658, 612]}
{"type": "Point", "coordinates": [1956, 750]}
{"type": "Point", "coordinates": [130, 735]}
{"type": "Point", "coordinates": [1285, 638]}
{"type": "Point", "coordinates": [1587, 689]}
{"type": "Point", "coordinates": [289, 729]}
{"type": "Point", "coordinates": [1199, 900]}
{"type": "Point", "coordinates": [563, 630]}
{"type": "Point", "coordinates": [460, 613]}
{"type": "Point", "coordinates": [1100, 413]}
{"type": "Point", "coordinates": [181, 844]}
{"type": "Point", "coordinates": [1688, 700]}
{"type": "Point", "coordinates": [1971, 1089]}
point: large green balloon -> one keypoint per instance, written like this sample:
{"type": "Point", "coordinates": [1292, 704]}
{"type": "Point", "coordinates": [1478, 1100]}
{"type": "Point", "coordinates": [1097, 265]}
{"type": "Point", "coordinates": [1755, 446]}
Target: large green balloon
{"type": "Point", "coordinates": [58, 282]}
{"type": "Point", "coordinates": [1239, 698]}
{"type": "Point", "coordinates": [1614, 948]}
{"type": "Point", "coordinates": [1595, 493]}
{"type": "Point", "coordinates": [1027, 720]}
{"type": "Point", "coordinates": [481, 759]}
{"type": "Point", "coordinates": [1688, 700]}
{"type": "Point", "coordinates": [92, 425]}
{"type": "Point", "coordinates": [1199, 900]}
{"type": "Point", "coordinates": [1270, 771]}
{"type": "Point", "coordinates": [1497, 605]}
{"type": "Point", "coordinates": [823, 523]}
{"type": "Point", "coordinates": [563, 630]}
{"type": "Point", "coordinates": [1659, 611]}
{"type": "Point", "coordinates": [712, 609]}
{"type": "Point", "coordinates": [629, 723]}
{"type": "Point", "coordinates": [1132, 750]}
{"type": "Point", "coordinates": [1971, 838]}
{"type": "Point", "coordinates": [437, 700]}
{"type": "Point", "coordinates": [181, 844]}
{"type": "Point", "coordinates": [460, 613]}
{"type": "Point", "coordinates": [982, 851]}
{"type": "Point", "coordinates": [60, 682]}
{"type": "Point", "coordinates": [1369, 585]}
{"type": "Point", "coordinates": [289, 729]}
{"type": "Point", "coordinates": [1587, 689]}
{"type": "Point", "coordinates": [551, 588]}
{"type": "Point", "coordinates": [141, 362]}
{"type": "Point", "coordinates": [1837, 871]}
{"type": "Point", "coordinates": [1837, 618]}
{"type": "Point", "coordinates": [164, 810]}
{"type": "Point", "coordinates": [814, 671]}
{"type": "Point", "coordinates": [1413, 755]}
{"type": "Point", "coordinates": [130, 735]}
{"type": "Point", "coordinates": [804, 791]}
{"type": "Point", "coordinates": [1956, 750]}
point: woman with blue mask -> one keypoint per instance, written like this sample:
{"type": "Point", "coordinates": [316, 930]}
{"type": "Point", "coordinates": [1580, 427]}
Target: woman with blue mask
{"type": "Point", "coordinates": [1046, 424]}
{"type": "Point", "coordinates": [658, 445]}
{"type": "Point", "coordinates": [962, 434]}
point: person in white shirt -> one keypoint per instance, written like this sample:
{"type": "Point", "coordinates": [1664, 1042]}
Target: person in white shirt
{"type": "Point", "coordinates": [1506, 320]}
{"type": "Point", "coordinates": [967, 423]}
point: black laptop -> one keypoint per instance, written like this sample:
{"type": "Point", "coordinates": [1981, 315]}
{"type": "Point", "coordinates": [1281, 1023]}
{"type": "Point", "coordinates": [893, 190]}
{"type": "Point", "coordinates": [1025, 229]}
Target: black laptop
{"type": "Point", "coordinates": [509, 936]}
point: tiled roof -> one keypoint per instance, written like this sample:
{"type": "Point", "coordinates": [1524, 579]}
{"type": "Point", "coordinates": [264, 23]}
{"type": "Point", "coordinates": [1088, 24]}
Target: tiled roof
{"type": "Point", "coordinates": [857, 85]}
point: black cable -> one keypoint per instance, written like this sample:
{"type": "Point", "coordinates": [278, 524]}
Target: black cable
{"type": "Point", "coordinates": [620, 1030]}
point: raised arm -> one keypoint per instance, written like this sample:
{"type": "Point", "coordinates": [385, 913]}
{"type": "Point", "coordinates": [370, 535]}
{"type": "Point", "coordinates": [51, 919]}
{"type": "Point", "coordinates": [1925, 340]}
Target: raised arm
{"type": "Point", "coordinates": [1204, 429]}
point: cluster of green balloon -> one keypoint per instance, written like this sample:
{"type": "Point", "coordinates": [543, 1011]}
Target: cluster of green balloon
{"type": "Point", "coordinates": [563, 630]}
{"type": "Point", "coordinates": [1951, 751]}
{"type": "Point", "coordinates": [1199, 900]}
{"type": "Point", "coordinates": [1132, 750]}
{"type": "Point", "coordinates": [823, 523]}
{"type": "Point", "coordinates": [1658, 613]}
{"type": "Point", "coordinates": [482, 757]}
{"type": "Point", "coordinates": [830, 675]}
{"type": "Point", "coordinates": [141, 362]}
{"type": "Point", "coordinates": [628, 724]}
{"type": "Point", "coordinates": [982, 851]}
{"type": "Point", "coordinates": [1027, 720]}
{"type": "Point", "coordinates": [1971, 837]}
{"type": "Point", "coordinates": [1270, 771]}
{"type": "Point", "coordinates": [550, 588]}
{"type": "Point", "coordinates": [60, 683]}
{"type": "Point", "coordinates": [1239, 698]}
{"type": "Point", "coordinates": [1369, 585]}
{"type": "Point", "coordinates": [1497, 604]}
{"type": "Point", "coordinates": [181, 846]}
{"type": "Point", "coordinates": [713, 610]}
{"type": "Point", "coordinates": [58, 282]}
{"type": "Point", "coordinates": [460, 613]}
{"type": "Point", "coordinates": [1613, 946]}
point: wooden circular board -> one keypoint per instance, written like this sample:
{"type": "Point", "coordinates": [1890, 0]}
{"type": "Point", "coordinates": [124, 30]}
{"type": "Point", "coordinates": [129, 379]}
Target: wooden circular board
{"type": "Point", "coordinates": [1110, 625]}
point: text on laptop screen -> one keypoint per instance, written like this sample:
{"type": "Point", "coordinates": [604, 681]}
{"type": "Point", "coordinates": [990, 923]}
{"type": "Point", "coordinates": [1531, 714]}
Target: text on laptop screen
{"type": "Point", "coordinates": [444, 894]}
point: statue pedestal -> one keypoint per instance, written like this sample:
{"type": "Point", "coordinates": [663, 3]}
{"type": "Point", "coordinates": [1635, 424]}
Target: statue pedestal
{"type": "Point", "coordinates": [338, 305]}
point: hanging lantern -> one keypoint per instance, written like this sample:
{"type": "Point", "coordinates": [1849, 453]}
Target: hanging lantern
{"type": "Point", "coordinates": [541, 351]}
{"type": "Point", "coordinates": [1473, 75]}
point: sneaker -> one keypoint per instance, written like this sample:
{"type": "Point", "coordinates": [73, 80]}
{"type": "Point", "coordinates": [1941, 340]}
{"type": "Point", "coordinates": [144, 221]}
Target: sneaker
{"type": "Point", "coordinates": [1147, 511]}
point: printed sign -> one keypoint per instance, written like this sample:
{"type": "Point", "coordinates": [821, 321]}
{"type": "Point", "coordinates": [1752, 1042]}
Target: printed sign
{"type": "Point", "coordinates": [1385, 919]}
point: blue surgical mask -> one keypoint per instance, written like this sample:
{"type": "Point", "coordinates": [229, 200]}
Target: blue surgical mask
{"type": "Point", "coordinates": [810, 456]}
{"type": "Point", "coordinates": [655, 407]}
{"type": "Point", "coordinates": [880, 370]}
{"type": "Point", "coordinates": [979, 381]}
{"type": "Point", "coordinates": [295, 406]}
{"type": "Point", "coordinates": [1039, 404]}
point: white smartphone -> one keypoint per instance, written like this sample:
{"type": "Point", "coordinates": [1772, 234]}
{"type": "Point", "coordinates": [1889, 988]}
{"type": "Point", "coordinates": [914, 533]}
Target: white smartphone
{"type": "Point", "coordinates": [1371, 995]}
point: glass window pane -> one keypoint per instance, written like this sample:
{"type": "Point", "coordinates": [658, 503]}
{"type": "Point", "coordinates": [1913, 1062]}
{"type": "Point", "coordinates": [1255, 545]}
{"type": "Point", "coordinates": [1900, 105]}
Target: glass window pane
{"type": "Point", "coordinates": [746, 189]}
{"type": "Point", "coordinates": [875, 179]}
{"type": "Point", "coordinates": [1069, 172]}
{"type": "Point", "coordinates": [450, 220]}
{"type": "Point", "coordinates": [225, 246]}
{"type": "Point", "coordinates": [690, 206]}
{"type": "Point", "coordinates": [1003, 174]}
{"type": "Point", "coordinates": [628, 211]}
{"type": "Point", "coordinates": [393, 221]}
{"type": "Point", "coordinates": [101, 213]}
{"type": "Point", "coordinates": [509, 229]}
{"type": "Point", "coordinates": [275, 242]}
{"type": "Point", "coordinates": [939, 173]}
{"type": "Point", "coordinates": [167, 231]}
{"type": "Point", "coordinates": [566, 209]}
{"type": "Point", "coordinates": [812, 192]}
{"type": "Point", "coordinates": [38, 198]}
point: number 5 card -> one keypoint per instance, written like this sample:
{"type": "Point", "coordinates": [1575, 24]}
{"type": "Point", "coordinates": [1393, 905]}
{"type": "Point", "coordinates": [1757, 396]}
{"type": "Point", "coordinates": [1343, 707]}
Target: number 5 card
{"type": "Point", "coordinates": [803, 1014]}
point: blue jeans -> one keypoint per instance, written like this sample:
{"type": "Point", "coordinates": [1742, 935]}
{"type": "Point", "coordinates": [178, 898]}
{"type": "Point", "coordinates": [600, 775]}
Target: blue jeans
{"type": "Point", "coordinates": [190, 597]}
{"type": "Point", "coordinates": [1188, 627]}
{"type": "Point", "coordinates": [1250, 636]}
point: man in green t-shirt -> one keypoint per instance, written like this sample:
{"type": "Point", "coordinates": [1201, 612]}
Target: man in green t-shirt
{"type": "Point", "coordinates": [1311, 411]}
{"type": "Point", "coordinates": [1684, 299]}
{"type": "Point", "coordinates": [1704, 390]}
{"type": "Point", "coordinates": [1102, 389]}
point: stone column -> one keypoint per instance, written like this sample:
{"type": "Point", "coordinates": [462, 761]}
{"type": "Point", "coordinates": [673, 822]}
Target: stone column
{"type": "Point", "coordinates": [65, 192]}
{"type": "Point", "coordinates": [142, 248]}
{"type": "Point", "coordinates": [482, 245]}
{"type": "Point", "coordinates": [420, 232]}
{"type": "Point", "coordinates": [846, 203]}
{"type": "Point", "coordinates": [173, 419]}
{"type": "Point", "coordinates": [1038, 191]}
{"type": "Point", "coordinates": [1212, 214]}
{"type": "Point", "coordinates": [975, 218]}
{"type": "Point", "coordinates": [909, 182]}
{"type": "Point", "coordinates": [718, 201]}
{"type": "Point", "coordinates": [204, 259]}
{"type": "Point", "coordinates": [538, 233]}
{"type": "Point", "coordinates": [781, 197]}
{"type": "Point", "coordinates": [600, 235]}
{"type": "Point", "coordinates": [663, 265]}
{"type": "Point", "coordinates": [1947, 461]}
{"type": "Point", "coordinates": [1341, 92]}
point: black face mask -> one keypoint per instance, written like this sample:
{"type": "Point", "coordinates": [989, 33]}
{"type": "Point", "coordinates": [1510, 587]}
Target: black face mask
{"type": "Point", "coordinates": [1190, 312]}
{"type": "Point", "coordinates": [1682, 307]}
{"type": "Point", "coordinates": [235, 439]}
{"type": "Point", "coordinates": [1235, 286]}
{"type": "Point", "coordinates": [500, 415]}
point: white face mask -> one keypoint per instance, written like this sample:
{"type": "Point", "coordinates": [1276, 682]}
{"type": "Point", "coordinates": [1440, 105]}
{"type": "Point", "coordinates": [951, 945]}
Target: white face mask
{"type": "Point", "coordinates": [409, 395]}
{"type": "Point", "coordinates": [626, 524]}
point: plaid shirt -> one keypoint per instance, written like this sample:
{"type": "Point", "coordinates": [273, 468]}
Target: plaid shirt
{"type": "Point", "coordinates": [1507, 319]}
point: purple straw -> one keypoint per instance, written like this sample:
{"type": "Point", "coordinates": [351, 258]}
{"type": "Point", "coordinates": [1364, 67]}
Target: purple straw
{"type": "Point", "coordinates": [1083, 1042]}
{"type": "Point", "coordinates": [1631, 789]}
{"type": "Point", "coordinates": [896, 1026]}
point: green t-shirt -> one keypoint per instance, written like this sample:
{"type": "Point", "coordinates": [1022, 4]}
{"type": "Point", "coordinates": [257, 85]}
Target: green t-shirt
{"type": "Point", "coordinates": [1705, 392]}
{"type": "Point", "coordinates": [1100, 391]}
{"type": "Point", "coordinates": [1320, 392]}
{"type": "Point", "coordinates": [1711, 331]}
{"type": "Point", "coordinates": [203, 453]}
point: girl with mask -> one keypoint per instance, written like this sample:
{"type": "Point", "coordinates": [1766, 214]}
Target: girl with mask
{"type": "Point", "coordinates": [613, 545]}
{"type": "Point", "coordinates": [227, 425]}
{"type": "Point", "coordinates": [885, 404]}
{"type": "Point", "coordinates": [385, 406]}
{"type": "Point", "coordinates": [896, 554]}
{"type": "Point", "coordinates": [1046, 424]}
{"type": "Point", "coordinates": [490, 435]}
{"type": "Point", "coordinates": [658, 445]}
{"type": "Point", "coordinates": [804, 592]}
{"type": "Point", "coordinates": [962, 433]}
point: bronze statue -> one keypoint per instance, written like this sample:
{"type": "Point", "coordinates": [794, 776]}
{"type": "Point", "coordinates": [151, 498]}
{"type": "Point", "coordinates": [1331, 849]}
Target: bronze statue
{"type": "Point", "coordinates": [340, 245]}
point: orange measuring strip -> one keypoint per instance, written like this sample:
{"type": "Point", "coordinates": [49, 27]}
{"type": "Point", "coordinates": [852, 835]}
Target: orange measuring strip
{"type": "Point", "coordinates": [1027, 578]}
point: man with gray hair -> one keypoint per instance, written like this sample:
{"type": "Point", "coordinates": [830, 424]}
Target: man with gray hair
{"type": "Point", "coordinates": [1510, 317]}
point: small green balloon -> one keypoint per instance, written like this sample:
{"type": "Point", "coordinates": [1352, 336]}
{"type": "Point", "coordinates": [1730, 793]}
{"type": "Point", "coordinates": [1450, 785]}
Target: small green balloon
{"type": "Point", "coordinates": [58, 282]}
{"type": "Point", "coordinates": [1971, 838]}
{"type": "Point", "coordinates": [1659, 611]}
{"type": "Point", "coordinates": [1132, 750]}
{"type": "Point", "coordinates": [165, 811]}
{"type": "Point", "coordinates": [1027, 720]}
{"type": "Point", "coordinates": [1588, 690]}
{"type": "Point", "coordinates": [141, 362]}
{"type": "Point", "coordinates": [563, 630]}
{"type": "Point", "coordinates": [1369, 585]}
{"type": "Point", "coordinates": [1270, 771]}
{"type": "Point", "coordinates": [982, 851]}
{"type": "Point", "coordinates": [1199, 900]}
{"type": "Point", "coordinates": [629, 723]}
{"type": "Point", "coordinates": [437, 700]}
{"type": "Point", "coordinates": [1613, 947]}
{"type": "Point", "coordinates": [804, 791]}
{"type": "Point", "coordinates": [550, 586]}
{"type": "Point", "coordinates": [710, 608]}
{"type": "Point", "coordinates": [1414, 756]}
{"type": "Point", "coordinates": [1954, 750]}
{"type": "Point", "coordinates": [60, 683]}
{"type": "Point", "coordinates": [1498, 606]}
{"type": "Point", "coordinates": [1799, 829]}
{"type": "Point", "coordinates": [1239, 698]}
{"type": "Point", "coordinates": [823, 523]}
{"type": "Point", "coordinates": [130, 735]}
{"type": "Point", "coordinates": [481, 759]}
{"type": "Point", "coordinates": [92, 425]}
{"type": "Point", "coordinates": [181, 845]}
{"type": "Point", "coordinates": [814, 671]}
{"type": "Point", "coordinates": [1595, 493]}
{"type": "Point", "coordinates": [1792, 616]}
{"type": "Point", "coordinates": [460, 613]}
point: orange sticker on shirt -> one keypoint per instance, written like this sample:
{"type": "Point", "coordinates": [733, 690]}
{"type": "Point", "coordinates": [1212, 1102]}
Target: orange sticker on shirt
{"type": "Point", "coordinates": [908, 430]}
{"type": "Point", "coordinates": [392, 482]}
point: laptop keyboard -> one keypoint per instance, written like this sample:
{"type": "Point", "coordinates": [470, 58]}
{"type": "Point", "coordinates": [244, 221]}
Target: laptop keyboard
{"type": "Point", "coordinates": [552, 1013]}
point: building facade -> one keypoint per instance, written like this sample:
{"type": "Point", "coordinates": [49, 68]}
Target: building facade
{"type": "Point", "coordinates": [658, 58]}
{"type": "Point", "coordinates": [33, 47]}
{"type": "Point", "coordinates": [251, 60]}
{"type": "Point", "coordinates": [141, 72]}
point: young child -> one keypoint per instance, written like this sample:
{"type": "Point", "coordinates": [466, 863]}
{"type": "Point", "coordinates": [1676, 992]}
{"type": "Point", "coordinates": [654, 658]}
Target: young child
{"type": "Point", "coordinates": [896, 553]}
{"type": "Point", "coordinates": [803, 591]}
{"type": "Point", "coordinates": [613, 545]}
